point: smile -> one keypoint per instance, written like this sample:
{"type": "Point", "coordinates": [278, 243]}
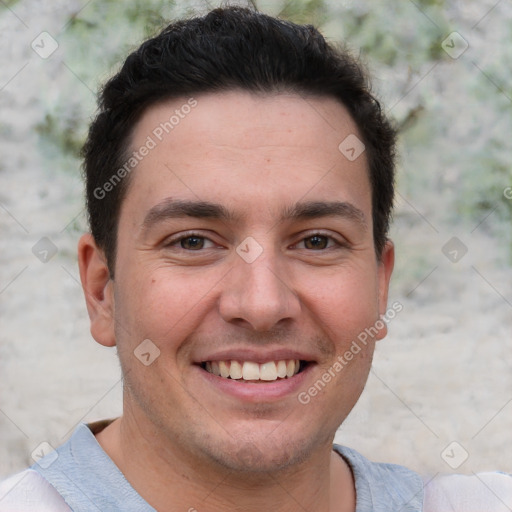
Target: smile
{"type": "Point", "coordinates": [252, 371]}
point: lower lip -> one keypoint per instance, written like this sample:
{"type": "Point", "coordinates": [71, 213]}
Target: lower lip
{"type": "Point", "coordinates": [259, 391]}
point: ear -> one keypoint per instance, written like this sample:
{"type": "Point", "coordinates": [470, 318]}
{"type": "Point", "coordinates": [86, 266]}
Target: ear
{"type": "Point", "coordinates": [98, 290]}
{"type": "Point", "coordinates": [384, 271]}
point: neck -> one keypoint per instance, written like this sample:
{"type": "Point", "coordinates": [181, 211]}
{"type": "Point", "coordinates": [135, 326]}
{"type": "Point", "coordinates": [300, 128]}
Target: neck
{"type": "Point", "coordinates": [172, 479]}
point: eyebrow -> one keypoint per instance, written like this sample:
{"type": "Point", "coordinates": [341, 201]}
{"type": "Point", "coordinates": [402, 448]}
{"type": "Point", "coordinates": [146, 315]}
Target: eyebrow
{"type": "Point", "coordinates": [317, 209]}
{"type": "Point", "coordinates": [178, 208]}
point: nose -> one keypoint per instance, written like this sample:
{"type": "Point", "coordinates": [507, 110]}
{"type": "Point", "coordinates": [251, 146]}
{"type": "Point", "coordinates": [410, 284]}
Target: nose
{"type": "Point", "coordinates": [258, 295]}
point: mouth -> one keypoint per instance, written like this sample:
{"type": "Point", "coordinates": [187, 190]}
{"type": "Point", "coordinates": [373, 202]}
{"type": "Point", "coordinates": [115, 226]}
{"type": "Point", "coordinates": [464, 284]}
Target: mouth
{"type": "Point", "coordinates": [253, 372]}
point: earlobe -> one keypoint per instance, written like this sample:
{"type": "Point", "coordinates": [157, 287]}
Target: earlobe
{"type": "Point", "coordinates": [385, 269]}
{"type": "Point", "coordinates": [98, 290]}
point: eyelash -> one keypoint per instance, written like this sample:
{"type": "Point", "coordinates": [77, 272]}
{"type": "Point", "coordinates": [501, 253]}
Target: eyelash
{"type": "Point", "coordinates": [193, 234]}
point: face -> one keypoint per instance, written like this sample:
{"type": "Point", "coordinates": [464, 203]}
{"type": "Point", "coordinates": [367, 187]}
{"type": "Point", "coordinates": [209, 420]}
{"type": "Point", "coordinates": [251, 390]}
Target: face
{"type": "Point", "coordinates": [245, 251]}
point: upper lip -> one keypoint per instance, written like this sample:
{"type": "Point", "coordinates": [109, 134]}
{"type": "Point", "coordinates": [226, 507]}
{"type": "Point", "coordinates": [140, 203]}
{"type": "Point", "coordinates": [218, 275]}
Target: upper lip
{"type": "Point", "coordinates": [256, 356]}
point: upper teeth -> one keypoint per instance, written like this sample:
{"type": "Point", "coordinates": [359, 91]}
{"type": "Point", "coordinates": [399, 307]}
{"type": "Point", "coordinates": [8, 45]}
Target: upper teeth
{"type": "Point", "coordinates": [248, 370]}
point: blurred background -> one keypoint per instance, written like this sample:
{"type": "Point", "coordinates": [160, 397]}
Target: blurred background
{"type": "Point", "coordinates": [439, 396]}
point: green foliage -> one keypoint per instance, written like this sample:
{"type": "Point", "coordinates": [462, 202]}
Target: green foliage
{"type": "Point", "coordinates": [455, 119]}
{"type": "Point", "coordinates": [305, 11]}
{"type": "Point", "coordinates": [4, 4]}
{"type": "Point", "coordinates": [61, 132]}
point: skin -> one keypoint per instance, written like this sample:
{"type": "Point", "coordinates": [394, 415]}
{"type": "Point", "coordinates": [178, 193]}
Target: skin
{"type": "Point", "coordinates": [183, 442]}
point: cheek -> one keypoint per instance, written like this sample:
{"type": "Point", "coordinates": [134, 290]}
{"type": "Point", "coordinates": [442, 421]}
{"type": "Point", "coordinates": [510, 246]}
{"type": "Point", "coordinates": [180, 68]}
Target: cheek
{"type": "Point", "coordinates": [345, 301]}
{"type": "Point", "coordinates": [163, 304]}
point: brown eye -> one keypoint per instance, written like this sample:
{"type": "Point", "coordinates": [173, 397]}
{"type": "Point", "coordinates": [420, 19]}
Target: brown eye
{"type": "Point", "coordinates": [192, 242]}
{"type": "Point", "coordinates": [189, 242]}
{"type": "Point", "coordinates": [316, 242]}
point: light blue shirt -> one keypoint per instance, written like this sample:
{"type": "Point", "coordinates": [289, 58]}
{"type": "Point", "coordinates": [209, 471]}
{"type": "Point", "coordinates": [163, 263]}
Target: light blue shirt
{"type": "Point", "coordinates": [89, 480]}
{"type": "Point", "coordinates": [80, 477]}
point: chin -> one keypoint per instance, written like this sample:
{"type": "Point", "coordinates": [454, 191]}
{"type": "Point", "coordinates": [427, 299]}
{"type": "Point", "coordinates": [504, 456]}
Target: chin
{"type": "Point", "coordinates": [250, 458]}
{"type": "Point", "coordinates": [266, 453]}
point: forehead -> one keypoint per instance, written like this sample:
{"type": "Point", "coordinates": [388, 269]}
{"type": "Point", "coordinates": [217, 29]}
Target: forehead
{"type": "Point", "coordinates": [248, 150]}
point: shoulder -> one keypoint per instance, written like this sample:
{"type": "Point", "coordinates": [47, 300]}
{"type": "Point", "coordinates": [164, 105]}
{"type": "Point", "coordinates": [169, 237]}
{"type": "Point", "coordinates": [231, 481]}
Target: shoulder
{"type": "Point", "coordinates": [380, 485]}
{"type": "Point", "coordinates": [491, 492]}
{"type": "Point", "coordinates": [383, 487]}
{"type": "Point", "coordinates": [28, 491]}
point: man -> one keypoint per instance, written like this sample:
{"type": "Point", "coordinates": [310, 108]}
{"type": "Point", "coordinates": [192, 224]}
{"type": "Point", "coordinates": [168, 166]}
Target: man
{"type": "Point", "coordinates": [239, 188]}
